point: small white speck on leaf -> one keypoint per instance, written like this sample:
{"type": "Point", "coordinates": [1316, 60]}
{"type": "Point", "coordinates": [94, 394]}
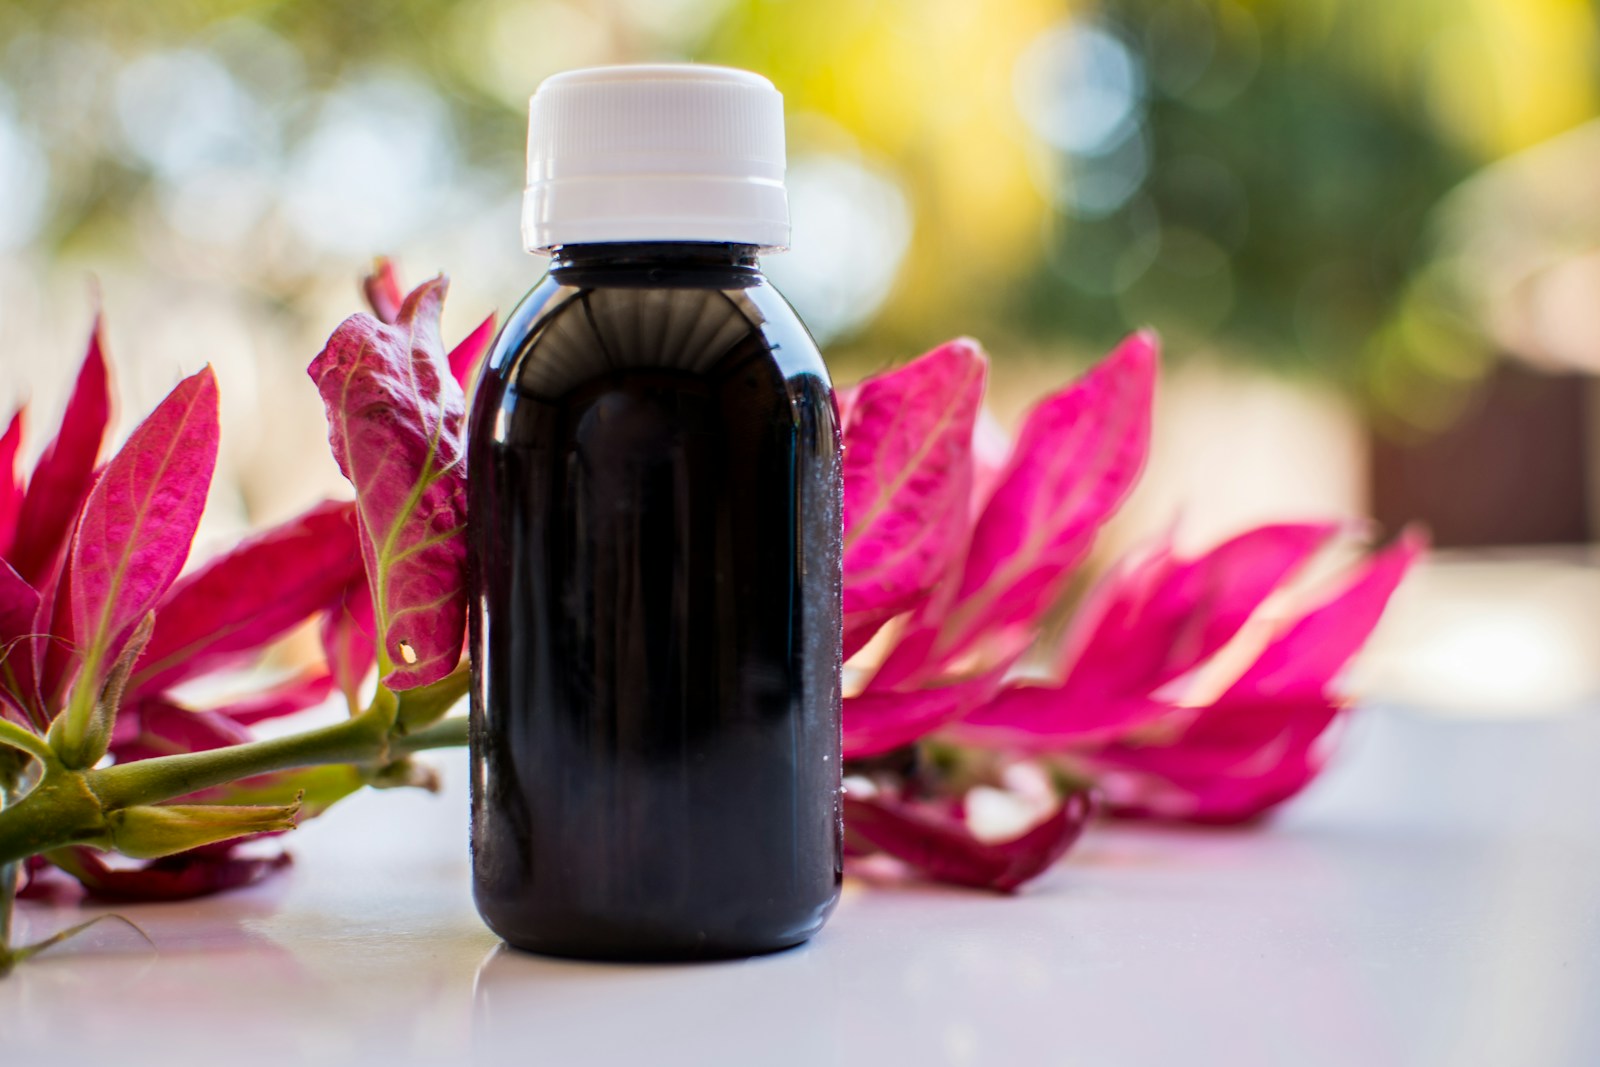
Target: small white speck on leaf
{"type": "Point", "coordinates": [408, 653]}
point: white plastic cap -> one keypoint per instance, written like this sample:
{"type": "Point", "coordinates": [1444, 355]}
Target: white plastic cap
{"type": "Point", "coordinates": [655, 153]}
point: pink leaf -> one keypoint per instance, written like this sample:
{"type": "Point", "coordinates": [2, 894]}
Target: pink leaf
{"type": "Point", "coordinates": [383, 290]}
{"type": "Point", "coordinates": [1043, 718]}
{"type": "Point", "coordinates": [907, 482]}
{"type": "Point", "coordinates": [881, 721]}
{"type": "Point", "coordinates": [991, 448]}
{"type": "Point", "coordinates": [160, 728]}
{"type": "Point", "coordinates": [1078, 455]}
{"type": "Point", "coordinates": [844, 402]}
{"type": "Point", "coordinates": [1303, 662]}
{"type": "Point", "coordinates": [247, 598]}
{"type": "Point", "coordinates": [464, 357]}
{"type": "Point", "coordinates": [56, 656]}
{"type": "Point", "coordinates": [141, 517]}
{"type": "Point", "coordinates": [1236, 761]}
{"type": "Point", "coordinates": [395, 415]}
{"type": "Point", "coordinates": [1150, 622]}
{"type": "Point", "coordinates": [11, 489]}
{"type": "Point", "coordinates": [386, 295]}
{"type": "Point", "coordinates": [297, 694]}
{"type": "Point", "coordinates": [940, 846]}
{"type": "Point", "coordinates": [19, 606]}
{"type": "Point", "coordinates": [65, 472]}
{"type": "Point", "coordinates": [347, 638]}
{"type": "Point", "coordinates": [1257, 745]}
{"type": "Point", "coordinates": [185, 876]}
{"type": "Point", "coordinates": [1155, 622]}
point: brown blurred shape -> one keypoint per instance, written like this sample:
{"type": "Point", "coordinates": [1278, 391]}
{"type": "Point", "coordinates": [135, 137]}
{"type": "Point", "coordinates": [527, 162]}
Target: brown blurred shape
{"type": "Point", "coordinates": [1513, 470]}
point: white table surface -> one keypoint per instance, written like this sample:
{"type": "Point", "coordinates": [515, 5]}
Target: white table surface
{"type": "Point", "coordinates": [1434, 900]}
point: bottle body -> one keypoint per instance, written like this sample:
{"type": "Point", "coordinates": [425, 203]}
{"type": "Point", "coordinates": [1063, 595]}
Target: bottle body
{"type": "Point", "coordinates": [654, 468]}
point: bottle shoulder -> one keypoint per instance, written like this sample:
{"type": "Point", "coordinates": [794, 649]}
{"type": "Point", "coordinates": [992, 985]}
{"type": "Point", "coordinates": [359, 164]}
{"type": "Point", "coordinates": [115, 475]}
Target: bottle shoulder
{"type": "Point", "coordinates": [573, 328]}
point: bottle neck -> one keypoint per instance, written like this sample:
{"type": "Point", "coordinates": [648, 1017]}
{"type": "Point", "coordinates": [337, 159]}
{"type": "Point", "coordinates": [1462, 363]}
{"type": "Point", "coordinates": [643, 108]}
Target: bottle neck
{"type": "Point", "coordinates": [657, 255]}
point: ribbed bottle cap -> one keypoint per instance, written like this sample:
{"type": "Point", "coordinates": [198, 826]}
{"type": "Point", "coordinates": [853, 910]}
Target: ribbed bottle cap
{"type": "Point", "coordinates": [677, 152]}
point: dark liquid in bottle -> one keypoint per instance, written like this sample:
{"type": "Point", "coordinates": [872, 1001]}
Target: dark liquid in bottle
{"type": "Point", "coordinates": [654, 469]}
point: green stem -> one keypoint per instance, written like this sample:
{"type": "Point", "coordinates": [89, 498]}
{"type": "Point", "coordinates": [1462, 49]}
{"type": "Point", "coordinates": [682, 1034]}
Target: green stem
{"type": "Point", "coordinates": [451, 733]}
{"type": "Point", "coordinates": [69, 807]}
{"type": "Point", "coordinates": [362, 739]}
{"type": "Point", "coordinates": [10, 876]}
{"type": "Point", "coordinates": [11, 872]}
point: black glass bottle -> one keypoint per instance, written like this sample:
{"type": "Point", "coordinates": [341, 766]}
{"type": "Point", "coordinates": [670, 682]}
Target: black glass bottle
{"type": "Point", "coordinates": [655, 526]}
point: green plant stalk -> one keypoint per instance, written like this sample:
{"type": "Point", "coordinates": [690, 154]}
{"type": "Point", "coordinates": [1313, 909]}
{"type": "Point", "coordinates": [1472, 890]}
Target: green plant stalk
{"type": "Point", "coordinates": [69, 807]}
{"type": "Point", "coordinates": [11, 768]}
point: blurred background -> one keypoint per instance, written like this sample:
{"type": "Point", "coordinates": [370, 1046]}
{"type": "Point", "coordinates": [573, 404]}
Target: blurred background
{"type": "Point", "coordinates": [1368, 232]}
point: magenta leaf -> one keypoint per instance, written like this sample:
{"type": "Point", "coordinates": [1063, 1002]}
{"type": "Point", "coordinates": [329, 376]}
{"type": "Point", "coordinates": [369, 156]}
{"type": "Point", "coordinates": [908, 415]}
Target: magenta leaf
{"type": "Point", "coordinates": [940, 846]}
{"type": "Point", "coordinates": [10, 488]}
{"type": "Point", "coordinates": [1076, 458]}
{"type": "Point", "coordinates": [844, 402]}
{"type": "Point", "coordinates": [132, 540]}
{"type": "Point", "coordinates": [877, 721]}
{"type": "Point", "coordinates": [386, 295]}
{"type": "Point", "coordinates": [56, 655]}
{"type": "Point", "coordinates": [141, 517]}
{"type": "Point", "coordinates": [1147, 624]}
{"type": "Point", "coordinates": [395, 423]}
{"type": "Point", "coordinates": [1259, 743]}
{"type": "Point", "coordinates": [991, 448]}
{"type": "Point", "coordinates": [1306, 659]}
{"type": "Point", "coordinates": [222, 614]}
{"type": "Point", "coordinates": [1158, 619]}
{"type": "Point", "coordinates": [19, 606]}
{"type": "Point", "coordinates": [182, 877]}
{"type": "Point", "coordinates": [161, 728]}
{"type": "Point", "coordinates": [65, 472]}
{"type": "Point", "coordinates": [303, 691]}
{"type": "Point", "coordinates": [1043, 718]}
{"type": "Point", "coordinates": [465, 357]}
{"type": "Point", "coordinates": [383, 290]}
{"type": "Point", "coordinates": [347, 639]}
{"type": "Point", "coordinates": [907, 483]}
{"type": "Point", "coordinates": [1236, 761]}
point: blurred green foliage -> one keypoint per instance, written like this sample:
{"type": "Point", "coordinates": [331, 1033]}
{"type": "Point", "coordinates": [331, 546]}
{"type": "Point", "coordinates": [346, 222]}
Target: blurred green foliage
{"type": "Point", "coordinates": [1263, 182]}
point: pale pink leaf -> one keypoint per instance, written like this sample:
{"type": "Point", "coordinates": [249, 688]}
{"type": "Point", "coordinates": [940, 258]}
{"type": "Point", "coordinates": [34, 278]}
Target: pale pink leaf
{"type": "Point", "coordinates": [395, 423]}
